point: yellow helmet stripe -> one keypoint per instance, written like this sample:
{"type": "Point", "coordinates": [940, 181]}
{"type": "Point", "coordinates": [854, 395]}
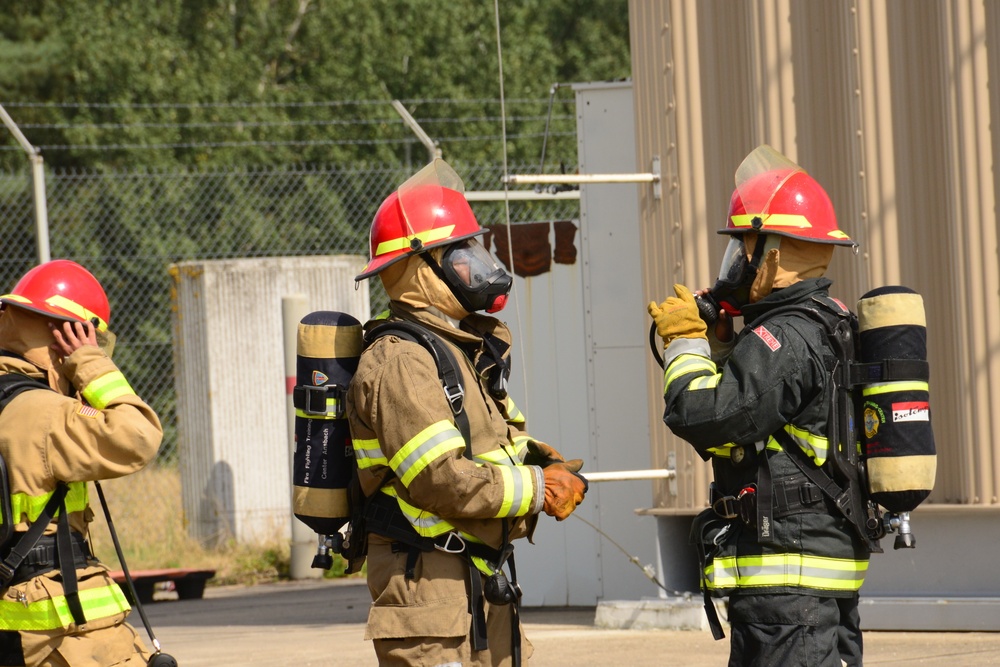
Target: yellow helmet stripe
{"type": "Point", "coordinates": [772, 220]}
{"type": "Point", "coordinates": [403, 242]}
{"type": "Point", "coordinates": [59, 301]}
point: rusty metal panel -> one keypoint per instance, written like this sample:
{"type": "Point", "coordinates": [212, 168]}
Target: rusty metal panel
{"type": "Point", "coordinates": [230, 379]}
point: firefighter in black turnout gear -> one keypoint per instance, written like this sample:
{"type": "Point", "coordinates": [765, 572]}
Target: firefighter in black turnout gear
{"type": "Point", "coordinates": [758, 406]}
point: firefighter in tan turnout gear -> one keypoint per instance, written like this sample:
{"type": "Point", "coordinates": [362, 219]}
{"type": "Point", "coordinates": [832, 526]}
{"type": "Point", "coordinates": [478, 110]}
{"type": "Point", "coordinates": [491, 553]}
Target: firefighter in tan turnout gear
{"type": "Point", "coordinates": [451, 481]}
{"type": "Point", "coordinates": [80, 421]}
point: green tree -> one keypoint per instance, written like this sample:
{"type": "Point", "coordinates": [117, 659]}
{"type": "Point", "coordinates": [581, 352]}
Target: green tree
{"type": "Point", "coordinates": [284, 81]}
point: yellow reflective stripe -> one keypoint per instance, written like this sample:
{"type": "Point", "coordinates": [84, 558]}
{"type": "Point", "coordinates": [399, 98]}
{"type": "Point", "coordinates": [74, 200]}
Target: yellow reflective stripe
{"type": "Point", "coordinates": [817, 447]}
{"type": "Point", "coordinates": [77, 499]}
{"type": "Point", "coordinates": [425, 523]}
{"type": "Point", "coordinates": [332, 406]}
{"type": "Point", "coordinates": [705, 382]}
{"type": "Point", "coordinates": [772, 220]}
{"type": "Point", "coordinates": [368, 453]}
{"type": "Point", "coordinates": [685, 364]}
{"type": "Point", "coordinates": [482, 565]}
{"type": "Point", "coordinates": [722, 451]}
{"type": "Point", "coordinates": [502, 456]}
{"type": "Point", "coordinates": [434, 441]}
{"type": "Point", "coordinates": [53, 613]}
{"type": "Point", "coordinates": [403, 242]}
{"type": "Point", "coordinates": [890, 387]}
{"type": "Point", "coordinates": [521, 446]}
{"type": "Point", "coordinates": [518, 487]}
{"type": "Point", "coordinates": [107, 388]}
{"type": "Point", "coordinates": [329, 415]}
{"type": "Point", "coordinates": [496, 457]}
{"type": "Point", "coordinates": [798, 570]}
{"type": "Point", "coordinates": [514, 415]}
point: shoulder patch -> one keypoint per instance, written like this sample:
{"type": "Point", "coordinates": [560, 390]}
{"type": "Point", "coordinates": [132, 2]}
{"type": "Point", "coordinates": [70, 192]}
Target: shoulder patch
{"type": "Point", "coordinates": [840, 303]}
{"type": "Point", "coordinates": [87, 411]}
{"type": "Point", "coordinates": [767, 337]}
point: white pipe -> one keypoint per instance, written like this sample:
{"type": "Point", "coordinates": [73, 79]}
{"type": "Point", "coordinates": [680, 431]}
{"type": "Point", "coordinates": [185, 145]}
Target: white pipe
{"type": "Point", "coordinates": [38, 180]}
{"type": "Point", "coordinates": [549, 179]}
{"type": "Point", "coordinates": [519, 195]}
{"type": "Point", "coordinates": [625, 475]}
{"type": "Point", "coordinates": [41, 208]}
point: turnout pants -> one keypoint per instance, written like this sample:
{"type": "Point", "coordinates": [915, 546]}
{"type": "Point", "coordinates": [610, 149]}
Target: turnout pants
{"type": "Point", "coordinates": [794, 631]}
{"type": "Point", "coordinates": [425, 621]}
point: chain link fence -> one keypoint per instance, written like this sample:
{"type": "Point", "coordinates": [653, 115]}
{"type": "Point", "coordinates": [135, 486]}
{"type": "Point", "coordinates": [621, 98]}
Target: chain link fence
{"type": "Point", "coordinates": [127, 227]}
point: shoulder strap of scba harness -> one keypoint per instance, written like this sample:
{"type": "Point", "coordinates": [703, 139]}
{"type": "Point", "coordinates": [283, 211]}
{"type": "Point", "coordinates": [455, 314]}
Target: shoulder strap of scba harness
{"type": "Point", "coordinates": [447, 365]}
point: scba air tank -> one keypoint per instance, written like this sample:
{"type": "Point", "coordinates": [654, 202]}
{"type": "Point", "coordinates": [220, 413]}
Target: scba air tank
{"type": "Point", "coordinates": [896, 416]}
{"type": "Point", "coordinates": [328, 347]}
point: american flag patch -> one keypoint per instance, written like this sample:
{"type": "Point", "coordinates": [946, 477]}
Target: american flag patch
{"type": "Point", "coordinates": [87, 411]}
{"type": "Point", "coordinates": [768, 338]}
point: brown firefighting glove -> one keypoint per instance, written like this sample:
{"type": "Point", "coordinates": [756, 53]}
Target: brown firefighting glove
{"type": "Point", "coordinates": [564, 488]}
{"type": "Point", "coordinates": [542, 455]}
{"type": "Point", "coordinates": [678, 317]}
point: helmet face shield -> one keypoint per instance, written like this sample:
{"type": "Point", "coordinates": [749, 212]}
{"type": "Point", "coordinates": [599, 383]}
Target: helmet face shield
{"type": "Point", "coordinates": [475, 277]}
{"type": "Point", "coordinates": [739, 269]}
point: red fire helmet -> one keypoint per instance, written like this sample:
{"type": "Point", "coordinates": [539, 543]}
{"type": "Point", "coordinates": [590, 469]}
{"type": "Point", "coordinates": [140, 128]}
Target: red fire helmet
{"type": "Point", "coordinates": [64, 290]}
{"type": "Point", "coordinates": [428, 210]}
{"type": "Point", "coordinates": [775, 196]}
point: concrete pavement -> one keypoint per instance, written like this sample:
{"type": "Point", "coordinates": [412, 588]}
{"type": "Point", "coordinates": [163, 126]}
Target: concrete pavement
{"type": "Point", "coordinates": [321, 623]}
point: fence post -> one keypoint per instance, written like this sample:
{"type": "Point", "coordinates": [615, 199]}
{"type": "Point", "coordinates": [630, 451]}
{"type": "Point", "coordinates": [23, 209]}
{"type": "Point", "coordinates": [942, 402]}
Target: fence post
{"type": "Point", "coordinates": [38, 181]}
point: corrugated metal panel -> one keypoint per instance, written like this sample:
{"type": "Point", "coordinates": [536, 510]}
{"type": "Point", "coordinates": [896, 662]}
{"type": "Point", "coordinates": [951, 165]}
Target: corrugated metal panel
{"type": "Point", "coordinates": [231, 400]}
{"type": "Point", "coordinates": [888, 104]}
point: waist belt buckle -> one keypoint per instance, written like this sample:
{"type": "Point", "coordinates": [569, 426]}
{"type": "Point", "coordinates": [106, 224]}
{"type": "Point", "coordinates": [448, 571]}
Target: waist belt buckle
{"type": "Point", "coordinates": [725, 507]}
{"type": "Point", "coordinates": [448, 547]}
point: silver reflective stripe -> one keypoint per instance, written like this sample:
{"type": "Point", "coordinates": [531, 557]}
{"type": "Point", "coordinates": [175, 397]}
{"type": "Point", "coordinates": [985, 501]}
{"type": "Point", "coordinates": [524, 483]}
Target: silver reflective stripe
{"type": "Point", "coordinates": [416, 456]}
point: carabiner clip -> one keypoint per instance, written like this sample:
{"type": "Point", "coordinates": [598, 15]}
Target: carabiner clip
{"type": "Point", "coordinates": [448, 548]}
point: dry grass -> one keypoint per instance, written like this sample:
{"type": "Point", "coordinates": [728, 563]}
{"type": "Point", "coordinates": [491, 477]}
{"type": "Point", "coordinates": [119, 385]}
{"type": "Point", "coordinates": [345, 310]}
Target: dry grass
{"type": "Point", "coordinates": [147, 514]}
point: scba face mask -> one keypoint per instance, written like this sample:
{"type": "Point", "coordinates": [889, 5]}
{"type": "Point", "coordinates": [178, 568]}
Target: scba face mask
{"type": "Point", "coordinates": [475, 277]}
{"type": "Point", "coordinates": [738, 271]}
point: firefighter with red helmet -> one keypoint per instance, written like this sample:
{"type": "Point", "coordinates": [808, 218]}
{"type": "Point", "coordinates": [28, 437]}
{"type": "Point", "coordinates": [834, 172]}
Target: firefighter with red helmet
{"type": "Point", "coordinates": [757, 406]}
{"type": "Point", "coordinates": [451, 480]}
{"type": "Point", "coordinates": [68, 417]}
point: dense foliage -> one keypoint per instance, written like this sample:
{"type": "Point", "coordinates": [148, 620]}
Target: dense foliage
{"type": "Point", "coordinates": [121, 83]}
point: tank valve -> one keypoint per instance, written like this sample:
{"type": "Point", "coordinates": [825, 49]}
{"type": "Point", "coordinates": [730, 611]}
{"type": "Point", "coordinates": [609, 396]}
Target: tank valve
{"type": "Point", "coordinates": [900, 524]}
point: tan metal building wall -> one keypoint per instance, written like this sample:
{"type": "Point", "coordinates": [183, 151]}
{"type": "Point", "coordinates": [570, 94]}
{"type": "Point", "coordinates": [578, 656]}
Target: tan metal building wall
{"type": "Point", "coordinates": [888, 103]}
